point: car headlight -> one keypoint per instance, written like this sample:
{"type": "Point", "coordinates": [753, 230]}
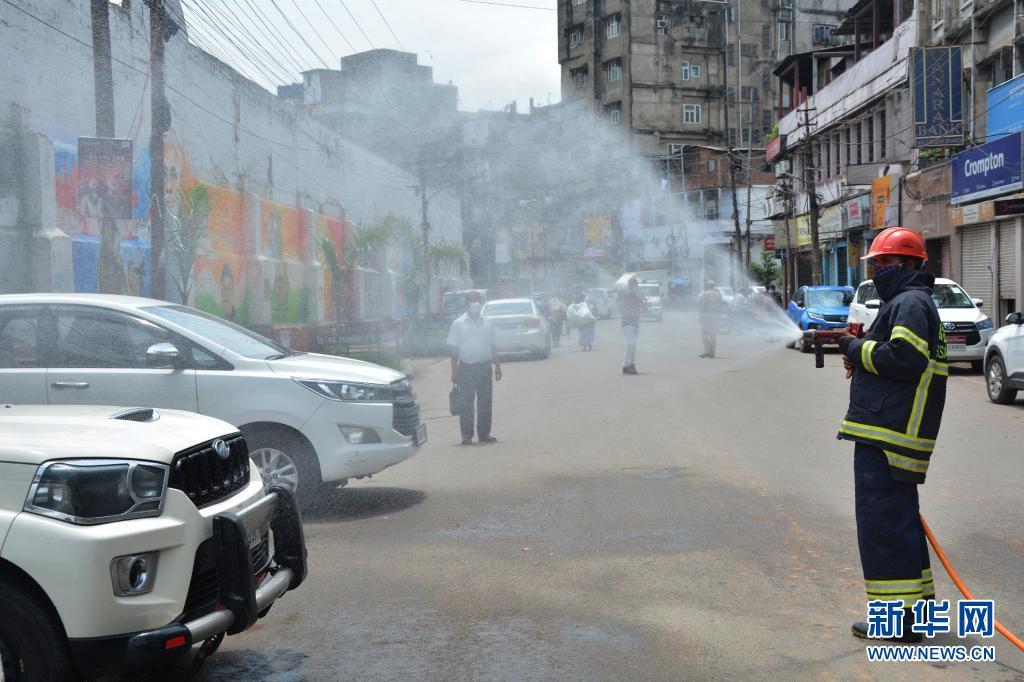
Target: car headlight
{"type": "Point", "coordinates": [984, 324]}
{"type": "Point", "coordinates": [816, 316]}
{"type": "Point", "coordinates": [347, 390]}
{"type": "Point", "coordinates": [91, 491]}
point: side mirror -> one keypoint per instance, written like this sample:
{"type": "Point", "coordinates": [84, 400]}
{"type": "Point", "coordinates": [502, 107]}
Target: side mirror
{"type": "Point", "coordinates": [978, 302]}
{"type": "Point", "coordinates": [1015, 318]}
{"type": "Point", "coordinates": [873, 304]}
{"type": "Point", "coordinates": [163, 356]}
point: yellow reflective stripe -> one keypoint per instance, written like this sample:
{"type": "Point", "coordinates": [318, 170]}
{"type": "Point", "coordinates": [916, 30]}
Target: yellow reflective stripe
{"type": "Point", "coordinates": [866, 349]}
{"type": "Point", "coordinates": [906, 463]}
{"type": "Point", "coordinates": [910, 337]}
{"type": "Point", "coordinates": [889, 586]}
{"type": "Point", "coordinates": [941, 368]}
{"type": "Point", "coordinates": [887, 436]}
{"type": "Point", "coordinates": [920, 398]}
{"type": "Point", "coordinates": [926, 574]}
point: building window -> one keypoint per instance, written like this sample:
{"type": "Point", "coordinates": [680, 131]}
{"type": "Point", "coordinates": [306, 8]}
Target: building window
{"type": "Point", "coordinates": [613, 70]}
{"type": "Point", "coordinates": [575, 37]}
{"type": "Point", "coordinates": [691, 113]}
{"type": "Point", "coordinates": [881, 135]}
{"type": "Point", "coordinates": [614, 113]}
{"type": "Point", "coordinates": [767, 119]}
{"type": "Point", "coordinates": [694, 71]}
{"type": "Point", "coordinates": [613, 25]}
{"type": "Point", "coordinates": [684, 71]}
{"type": "Point", "coordinates": [766, 38]}
{"type": "Point", "coordinates": [749, 50]}
{"type": "Point", "coordinates": [711, 204]}
{"type": "Point", "coordinates": [784, 36]}
{"type": "Point", "coordinates": [871, 139]}
{"type": "Point", "coordinates": [712, 165]}
{"type": "Point", "coordinates": [860, 145]}
{"type": "Point", "coordinates": [691, 161]}
{"type": "Point", "coordinates": [827, 169]}
{"type": "Point", "coordinates": [661, 24]}
{"type": "Point", "coordinates": [731, 56]}
{"type": "Point", "coordinates": [675, 151]}
{"type": "Point", "coordinates": [579, 78]}
{"type": "Point", "coordinates": [748, 93]}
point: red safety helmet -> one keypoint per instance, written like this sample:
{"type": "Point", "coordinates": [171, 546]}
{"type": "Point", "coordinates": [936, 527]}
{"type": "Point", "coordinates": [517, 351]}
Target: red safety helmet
{"type": "Point", "coordinates": [898, 241]}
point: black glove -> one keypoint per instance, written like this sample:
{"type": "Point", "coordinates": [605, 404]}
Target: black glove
{"type": "Point", "coordinates": [844, 343]}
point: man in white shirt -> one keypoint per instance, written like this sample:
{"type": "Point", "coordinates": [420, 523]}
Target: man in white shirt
{"type": "Point", "coordinates": [471, 339]}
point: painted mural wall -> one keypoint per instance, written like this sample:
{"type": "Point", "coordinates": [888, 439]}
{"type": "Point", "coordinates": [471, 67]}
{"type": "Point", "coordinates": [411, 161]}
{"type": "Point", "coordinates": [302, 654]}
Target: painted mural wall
{"type": "Point", "coordinates": [273, 179]}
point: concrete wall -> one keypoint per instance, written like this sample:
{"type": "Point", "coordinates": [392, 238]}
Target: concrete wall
{"type": "Point", "coordinates": [277, 174]}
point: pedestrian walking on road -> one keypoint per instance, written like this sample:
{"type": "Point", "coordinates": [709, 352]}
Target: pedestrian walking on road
{"type": "Point", "coordinates": [471, 340]}
{"type": "Point", "coordinates": [556, 320]}
{"type": "Point", "coordinates": [897, 397]}
{"type": "Point", "coordinates": [710, 310]}
{"type": "Point", "coordinates": [582, 317]}
{"type": "Point", "coordinates": [631, 305]}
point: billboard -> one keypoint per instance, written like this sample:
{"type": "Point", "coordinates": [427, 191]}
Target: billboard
{"type": "Point", "coordinates": [881, 191]}
{"type": "Point", "coordinates": [104, 177]}
{"type": "Point", "coordinates": [993, 168]}
{"type": "Point", "coordinates": [1005, 112]}
{"type": "Point", "coordinates": [937, 96]}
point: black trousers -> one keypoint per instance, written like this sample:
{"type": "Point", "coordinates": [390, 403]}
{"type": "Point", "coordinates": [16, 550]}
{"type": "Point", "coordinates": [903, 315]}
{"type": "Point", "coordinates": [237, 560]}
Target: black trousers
{"type": "Point", "coordinates": [475, 387]}
{"type": "Point", "coordinates": [893, 546]}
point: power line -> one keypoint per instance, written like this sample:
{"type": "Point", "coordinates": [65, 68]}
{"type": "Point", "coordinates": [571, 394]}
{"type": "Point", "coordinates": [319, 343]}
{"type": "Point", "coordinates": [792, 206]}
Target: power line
{"type": "Point", "coordinates": [270, 31]}
{"type": "Point", "coordinates": [217, 29]}
{"type": "Point", "coordinates": [340, 32]}
{"type": "Point", "coordinates": [312, 26]}
{"type": "Point", "coordinates": [356, 21]}
{"type": "Point", "coordinates": [508, 4]}
{"type": "Point", "coordinates": [384, 19]}
{"type": "Point", "coordinates": [254, 42]}
{"type": "Point", "coordinates": [298, 33]}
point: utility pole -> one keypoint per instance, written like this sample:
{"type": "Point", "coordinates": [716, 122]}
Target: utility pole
{"type": "Point", "coordinates": [737, 237]}
{"type": "Point", "coordinates": [425, 229]}
{"type": "Point", "coordinates": [102, 70]}
{"type": "Point", "coordinates": [161, 28]}
{"type": "Point", "coordinates": [811, 188]}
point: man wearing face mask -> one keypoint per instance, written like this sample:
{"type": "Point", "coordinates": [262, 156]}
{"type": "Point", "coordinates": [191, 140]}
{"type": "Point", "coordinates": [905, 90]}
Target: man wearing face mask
{"type": "Point", "coordinates": [471, 340]}
{"type": "Point", "coordinates": [896, 401]}
{"type": "Point", "coordinates": [631, 304]}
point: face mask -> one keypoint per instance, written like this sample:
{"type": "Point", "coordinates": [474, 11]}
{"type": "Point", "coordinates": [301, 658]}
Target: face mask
{"type": "Point", "coordinates": [887, 270]}
{"type": "Point", "coordinates": [474, 308]}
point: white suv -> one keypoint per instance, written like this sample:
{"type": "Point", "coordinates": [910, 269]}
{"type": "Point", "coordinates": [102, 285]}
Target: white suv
{"type": "Point", "coordinates": [308, 418]}
{"type": "Point", "coordinates": [967, 328]}
{"type": "Point", "coordinates": [1004, 361]}
{"type": "Point", "coordinates": [128, 535]}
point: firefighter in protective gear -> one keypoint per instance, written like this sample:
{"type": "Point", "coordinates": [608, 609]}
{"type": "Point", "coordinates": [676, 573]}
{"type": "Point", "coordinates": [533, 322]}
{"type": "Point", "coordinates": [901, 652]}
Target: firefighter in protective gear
{"type": "Point", "coordinates": [896, 400]}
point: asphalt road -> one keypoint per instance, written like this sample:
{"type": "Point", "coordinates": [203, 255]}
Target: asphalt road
{"type": "Point", "coordinates": [693, 522]}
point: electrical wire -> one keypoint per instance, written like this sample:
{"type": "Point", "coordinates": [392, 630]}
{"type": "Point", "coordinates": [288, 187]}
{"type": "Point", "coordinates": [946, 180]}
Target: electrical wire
{"type": "Point", "coordinates": [270, 31]}
{"type": "Point", "coordinates": [216, 29]}
{"type": "Point", "coordinates": [330, 51]}
{"type": "Point", "coordinates": [340, 32]}
{"type": "Point", "coordinates": [384, 19]}
{"type": "Point", "coordinates": [356, 22]}
{"type": "Point", "coordinates": [253, 42]}
{"type": "Point", "coordinates": [508, 4]}
{"type": "Point", "coordinates": [299, 33]}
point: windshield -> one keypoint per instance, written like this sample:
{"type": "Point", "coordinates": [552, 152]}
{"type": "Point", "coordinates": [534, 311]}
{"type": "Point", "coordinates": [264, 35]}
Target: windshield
{"type": "Point", "coordinates": [829, 298]}
{"type": "Point", "coordinates": [508, 308]}
{"type": "Point", "coordinates": [236, 339]}
{"type": "Point", "coordinates": [951, 296]}
{"type": "Point", "coordinates": [650, 290]}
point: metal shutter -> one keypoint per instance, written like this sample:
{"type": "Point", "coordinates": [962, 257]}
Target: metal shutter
{"type": "Point", "coordinates": [975, 264]}
{"type": "Point", "coordinates": [947, 259]}
{"type": "Point", "coordinates": [1007, 262]}
{"type": "Point", "coordinates": [826, 267]}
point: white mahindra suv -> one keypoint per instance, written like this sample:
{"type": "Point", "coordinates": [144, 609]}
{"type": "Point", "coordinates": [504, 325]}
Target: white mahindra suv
{"type": "Point", "coordinates": [129, 535]}
{"type": "Point", "coordinates": [967, 328]}
{"type": "Point", "coordinates": [308, 418]}
{"type": "Point", "coordinates": [1004, 361]}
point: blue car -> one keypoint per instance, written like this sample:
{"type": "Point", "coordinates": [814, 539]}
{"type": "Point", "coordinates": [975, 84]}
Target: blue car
{"type": "Point", "coordinates": [821, 307]}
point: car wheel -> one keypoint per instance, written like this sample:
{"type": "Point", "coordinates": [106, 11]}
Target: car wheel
{"type": "Point", "coordinates": [32, 642]}
{"type": "Point", "coordinates": [805, 346]}
{"type": "Point", "coordinates": [283, 458]}
{"type": "Point", "coordinates": [978, 366]}
{"type": "Point", "coordinates": [995, 382]}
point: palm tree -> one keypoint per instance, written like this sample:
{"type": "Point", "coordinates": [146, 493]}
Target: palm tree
{"type": "Point", "coordinates": [363, 248]}
{"type": "Point", "coordinates": [188, 229]}
{"type": "Point", "coordinates": [437, 258]}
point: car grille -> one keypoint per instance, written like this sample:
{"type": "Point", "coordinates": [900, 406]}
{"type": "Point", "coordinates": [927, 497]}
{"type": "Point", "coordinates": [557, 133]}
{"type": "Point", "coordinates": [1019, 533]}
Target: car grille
{"type": "Point", "coordinates": [204, 588]}
{"type": "Point", "coordinates": [406, 417]}
{"type": "Point", "coordinates": [201, 474]}
{"type": "Point", "coordinates": [968, 330]}
{"type": "Point", "coordinates": [835, 318]}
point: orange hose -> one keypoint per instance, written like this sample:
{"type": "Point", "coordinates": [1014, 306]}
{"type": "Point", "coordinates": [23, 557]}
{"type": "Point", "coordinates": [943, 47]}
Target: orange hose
{"type": "Point", "coordinates": [1013, 639]}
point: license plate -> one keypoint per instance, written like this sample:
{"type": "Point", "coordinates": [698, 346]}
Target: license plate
{"type": "Point", "coordinates": [956, 347]}
{"type": "Point", "coordinates": [256, 535]}
{"type": "Point", "coordinates": [421, 434]}
{"type": "Point", "coordinates": [956, 339]}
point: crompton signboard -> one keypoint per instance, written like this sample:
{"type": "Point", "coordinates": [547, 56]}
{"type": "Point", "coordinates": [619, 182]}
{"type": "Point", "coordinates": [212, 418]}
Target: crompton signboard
{"type": "Point", "coordinates": [937, 96]}
{"type": "Point", "coordinates": [993, 168]}
{"type": "Point", "coordinates": [1006, 107]}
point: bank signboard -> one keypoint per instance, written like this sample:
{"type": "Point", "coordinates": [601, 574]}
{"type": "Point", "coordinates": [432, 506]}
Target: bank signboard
{"type": "Point", "coordinates": [937, 96]}
{"type": "Point", "coordinates": [985, 171]}
{"type": "Point", "coordinates": [1005, 110]}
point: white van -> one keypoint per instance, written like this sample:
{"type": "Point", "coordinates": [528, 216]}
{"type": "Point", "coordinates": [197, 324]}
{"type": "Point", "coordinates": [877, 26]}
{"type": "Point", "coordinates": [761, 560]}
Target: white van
{"type": "Point", "coordinates": [967, 328]}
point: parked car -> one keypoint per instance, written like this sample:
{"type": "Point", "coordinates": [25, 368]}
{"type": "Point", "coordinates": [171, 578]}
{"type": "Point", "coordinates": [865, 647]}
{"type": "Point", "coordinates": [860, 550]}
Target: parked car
{"type": "Point", "coordinates": [819, 307]}
{"type": "Point", "coordinates": [728, 297]}
{"type": "Point", "coordinates": [967, 328]}
{"type": "Point", "coordinates": [129, 535]}
{"type": "Point", "coordinates": [543, 301]}
{"type": "Point", "coordinates": [453, 303]}
{"type": "Point", "coordinates": [1004, 361]}
{"type": "Point", "coordinates": [308, 418]}
{"type": "Point", "coordinates": [519, 326]}
{"type": "Point", "coordinates": [604, 302]}
{"type": "Point", "coordinates": [651, 292]}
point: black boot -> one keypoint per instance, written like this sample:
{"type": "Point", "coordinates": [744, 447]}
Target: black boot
{"type": "Point", "coordinates": [860, 629]}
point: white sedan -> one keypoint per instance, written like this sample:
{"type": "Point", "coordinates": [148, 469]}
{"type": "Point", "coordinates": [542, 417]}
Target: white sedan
{"type": "Point", "coordinates": [519, 326]}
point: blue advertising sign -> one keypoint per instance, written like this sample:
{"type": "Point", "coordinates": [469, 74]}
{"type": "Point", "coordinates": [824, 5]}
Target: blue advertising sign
{"type": "Point", "coordinates": [1005, 108]}
{"type": "Point", "coordinates": [937, 96]}
{"type": "Point", "coordinates": [993, 168]}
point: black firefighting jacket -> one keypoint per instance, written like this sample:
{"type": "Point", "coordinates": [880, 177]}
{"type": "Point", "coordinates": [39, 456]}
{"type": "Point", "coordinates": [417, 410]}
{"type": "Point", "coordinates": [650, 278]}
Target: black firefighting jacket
{"type": "Point", "coordinates": [899, 379]}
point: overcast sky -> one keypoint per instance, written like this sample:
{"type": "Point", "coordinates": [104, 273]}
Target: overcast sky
{"type": "Point", "coordinates": [494, 54]}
